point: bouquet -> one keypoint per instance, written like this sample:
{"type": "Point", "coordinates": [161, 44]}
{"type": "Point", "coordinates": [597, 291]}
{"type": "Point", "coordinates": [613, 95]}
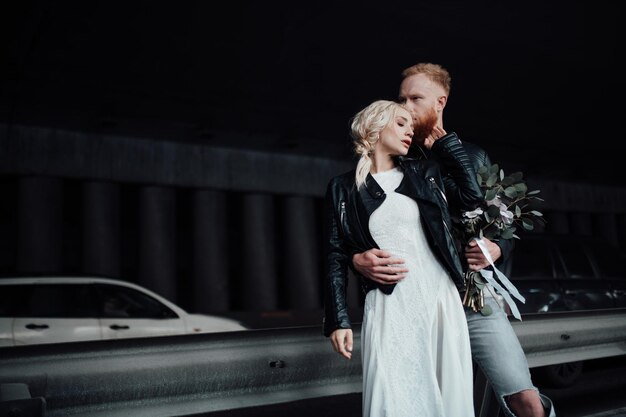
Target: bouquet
{"type": "Point", "coordinates": [505, 208]}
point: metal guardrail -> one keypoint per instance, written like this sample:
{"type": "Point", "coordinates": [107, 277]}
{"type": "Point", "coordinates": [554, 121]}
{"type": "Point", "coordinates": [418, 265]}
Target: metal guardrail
{"type": "Point", "coordinates": [192, 374]}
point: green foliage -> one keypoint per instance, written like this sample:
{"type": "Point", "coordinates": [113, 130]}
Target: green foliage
{"type": "Point", "coordinates": [506, 206]}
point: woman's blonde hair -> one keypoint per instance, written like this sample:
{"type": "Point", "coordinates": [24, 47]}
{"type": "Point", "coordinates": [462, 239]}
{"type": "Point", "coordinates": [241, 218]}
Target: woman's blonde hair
{"type": "Point", "coordinates": [365, 130]}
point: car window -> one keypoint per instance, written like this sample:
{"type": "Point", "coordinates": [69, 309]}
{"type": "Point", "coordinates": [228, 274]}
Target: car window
{"type": "Point", "coordinates": [531, 258]}
{"type": "Point", "coordinates": [117, 302]}
{"type": "Point", "coordinates": [575, 258]}
{"type": "Point", "coordinates": [51, 301]}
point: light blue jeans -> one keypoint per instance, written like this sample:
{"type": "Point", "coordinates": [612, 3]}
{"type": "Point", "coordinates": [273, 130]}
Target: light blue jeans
{"type": "Point", "coordinates": [499, 354]}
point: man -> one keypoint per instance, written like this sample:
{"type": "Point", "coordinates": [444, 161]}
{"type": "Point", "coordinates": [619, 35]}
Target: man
{"type": "Point", "coordinates": [424, 89]}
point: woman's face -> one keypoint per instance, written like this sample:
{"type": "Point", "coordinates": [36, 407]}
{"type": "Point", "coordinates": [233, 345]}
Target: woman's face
{"type": "Point", "coordinates": [395, 138]}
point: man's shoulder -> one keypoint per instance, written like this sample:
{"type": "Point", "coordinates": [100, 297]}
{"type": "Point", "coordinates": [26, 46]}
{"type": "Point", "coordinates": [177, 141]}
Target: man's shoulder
{"type": "Point", "coordinates": [472, 148]}
{"type": "Point", "coordinates": [477, 155]}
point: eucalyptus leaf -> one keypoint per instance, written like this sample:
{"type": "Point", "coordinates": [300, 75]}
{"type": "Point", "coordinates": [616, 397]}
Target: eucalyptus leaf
{"type": "Point", "coordinates": [536, 213]}
{"type": "Point", "coordinates": [510, 192]}
{"type": "Point", "coordinates": [493, 211]}
{"type": "Point", "coordinates": [521, 187]}
{"type": "Point", "coordinates": [527, 224]}
{"type": "Point", "coordinates": [490, 233]}
{"type": "Point", "coordinates": [507, 234]}
{"type": "Point", "coordinates": [494, 169]}
{"type": "Point", "coordinates": [482, 170]}
{"type": "Point", "coordinates": [479, 178]}
{"type": "Point", "coordinates": [518, 211]}
{"type": "Point", "coordinates": [533, 192]}
{"type": "Point", "coordinates": [506, 181]}
{"type": "Point", "coordinates": [501, 174]}
{"type": "Point", "coordinates": [491, 194]}
{"type": "Point", "coordinates": [493, 178]}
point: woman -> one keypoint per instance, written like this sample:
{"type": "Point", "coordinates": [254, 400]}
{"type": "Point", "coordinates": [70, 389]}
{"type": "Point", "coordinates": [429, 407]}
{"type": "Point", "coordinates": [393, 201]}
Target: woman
{"type": "Point", "coordinates": [414, 339]}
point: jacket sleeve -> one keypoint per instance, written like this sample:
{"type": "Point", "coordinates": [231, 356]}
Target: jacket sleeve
{"type": "Point", "coordinates": [461, 187]}
{"type": "Point", "coordinates": [337, 260]}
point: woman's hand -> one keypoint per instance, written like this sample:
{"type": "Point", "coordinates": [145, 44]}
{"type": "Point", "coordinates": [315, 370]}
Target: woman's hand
{"type": "Point", "coordinates": [341, 340]}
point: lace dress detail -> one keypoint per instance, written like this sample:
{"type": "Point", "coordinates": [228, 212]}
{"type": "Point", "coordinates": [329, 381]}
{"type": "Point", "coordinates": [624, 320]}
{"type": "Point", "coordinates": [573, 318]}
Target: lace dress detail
{"type": "Point", "coordinates": [415, 343]}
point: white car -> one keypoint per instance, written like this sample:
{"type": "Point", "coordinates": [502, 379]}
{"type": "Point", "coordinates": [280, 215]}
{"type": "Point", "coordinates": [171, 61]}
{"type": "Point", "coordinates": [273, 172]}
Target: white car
{"type": "Point", "coordinates": [35, 310]}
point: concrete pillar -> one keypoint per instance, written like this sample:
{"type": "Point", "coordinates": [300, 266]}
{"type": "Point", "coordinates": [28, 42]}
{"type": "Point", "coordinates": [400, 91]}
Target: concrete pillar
{"type": "Point", "coordinates": [210, 262]}
{"type": "Point", "coordinates": [40, 225]}
{"type": "Point", "coordinates": [621, 230]}
{"type": "Point", "coordinates": [157, 240]}
{"type": "Point", "coordinates": [8, 224]}
{"type": "Point", "coordinates": [301, 273]}
{"type": "Point", "coordinates": [255, 255]}
{"type": "Point", "coordinates": [101, 228]}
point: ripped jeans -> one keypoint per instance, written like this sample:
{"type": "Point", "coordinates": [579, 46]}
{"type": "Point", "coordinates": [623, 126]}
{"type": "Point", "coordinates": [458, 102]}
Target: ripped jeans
{"type": "Point", "coordinates": [498, 352]}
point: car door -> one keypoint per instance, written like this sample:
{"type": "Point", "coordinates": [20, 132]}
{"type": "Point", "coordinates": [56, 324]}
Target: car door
{"type": "Point", "coordinates": [533, 274]}
{"type": "Point", "coordinates": [54, 313]}
{"type": "Point", "coordinates": [9, 303]}
{"type": "Point", "coordinates": [582, 288]}
{"type": "Point", "coordinates": [126, 312]}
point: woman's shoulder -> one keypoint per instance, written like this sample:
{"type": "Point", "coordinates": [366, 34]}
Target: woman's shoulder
{"type": "Point", "coordinates": [345, 180]}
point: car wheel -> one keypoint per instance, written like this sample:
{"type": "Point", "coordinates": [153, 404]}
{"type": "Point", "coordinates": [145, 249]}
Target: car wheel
{"type": "Point", "coordinates": [559, 375]}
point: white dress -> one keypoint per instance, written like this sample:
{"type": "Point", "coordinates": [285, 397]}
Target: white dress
{"type": "Point", "coordinates": [414, 342]}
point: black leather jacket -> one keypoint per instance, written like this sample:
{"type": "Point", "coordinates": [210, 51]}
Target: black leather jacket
{"type": "Point", "coordinates": [348, 210]}
{"type": "Point", "coordinates": [478, 157]}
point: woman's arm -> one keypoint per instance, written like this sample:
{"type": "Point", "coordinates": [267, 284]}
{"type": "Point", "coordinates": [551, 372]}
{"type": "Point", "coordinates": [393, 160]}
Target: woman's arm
{"type": "Point", "coordinates": [336, 279]}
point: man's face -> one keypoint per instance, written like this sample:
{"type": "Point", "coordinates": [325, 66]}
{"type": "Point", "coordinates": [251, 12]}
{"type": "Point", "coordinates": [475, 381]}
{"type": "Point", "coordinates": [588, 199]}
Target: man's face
{"type": "Point", "coordinates": [422, 97]}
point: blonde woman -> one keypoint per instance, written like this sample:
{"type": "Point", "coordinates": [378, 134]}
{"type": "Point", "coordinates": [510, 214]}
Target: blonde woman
{"type": "Point", "coordinates": [415, 346]}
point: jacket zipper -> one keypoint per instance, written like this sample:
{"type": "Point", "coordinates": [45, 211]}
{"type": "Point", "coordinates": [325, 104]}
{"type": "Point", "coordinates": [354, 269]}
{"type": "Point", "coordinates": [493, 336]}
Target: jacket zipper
{"type": "Point", "coordinates": [342, 215]}
{"type": "Point", "coordinates": [445, 225]}
{"type": "Point", "coordinates": [432, 181]}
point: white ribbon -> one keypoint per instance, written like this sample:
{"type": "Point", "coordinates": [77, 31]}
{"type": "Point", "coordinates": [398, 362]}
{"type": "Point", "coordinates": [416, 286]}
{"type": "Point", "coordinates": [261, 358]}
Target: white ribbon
{"type": "Point", "coordinates": [510, 288]}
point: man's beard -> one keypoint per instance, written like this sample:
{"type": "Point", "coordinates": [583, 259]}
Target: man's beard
{"type": "Point", "coordinates": [424, 126]}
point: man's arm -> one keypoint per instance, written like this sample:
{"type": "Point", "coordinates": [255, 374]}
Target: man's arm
{"type": "Point", "coordinates": [380, 266]}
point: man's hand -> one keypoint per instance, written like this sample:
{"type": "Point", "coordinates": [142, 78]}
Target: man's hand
{"type": "Point", "coordinates": [436, 134]}
{"type": "Point", "coordinates": [341, 340]}
{"type": "Point", "coordinates": [475, 258]}
{"type": "Point", "coordinates": [379, 266]}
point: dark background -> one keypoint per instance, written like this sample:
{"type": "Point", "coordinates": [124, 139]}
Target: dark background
{"type": "Point", "coordinates": [186, 145]}
{"type": "Point", "coordinates": [536, 83]}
